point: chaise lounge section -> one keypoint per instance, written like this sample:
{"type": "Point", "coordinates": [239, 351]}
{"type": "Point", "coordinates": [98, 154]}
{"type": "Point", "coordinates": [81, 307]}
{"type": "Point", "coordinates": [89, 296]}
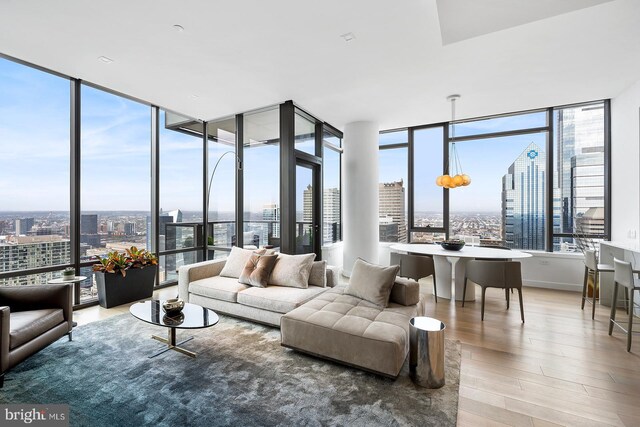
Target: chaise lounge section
{"type": "Point", "coordinates": [351, 330]}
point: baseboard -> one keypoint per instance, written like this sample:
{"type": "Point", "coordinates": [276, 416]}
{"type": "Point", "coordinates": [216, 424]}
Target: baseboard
{"type": "Point", "coordinates": [572, 287]}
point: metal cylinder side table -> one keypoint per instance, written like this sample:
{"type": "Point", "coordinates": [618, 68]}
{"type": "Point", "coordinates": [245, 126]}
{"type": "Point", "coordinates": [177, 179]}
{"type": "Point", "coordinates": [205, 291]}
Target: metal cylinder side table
{"type": "Point", "coordinates": [426, 352]}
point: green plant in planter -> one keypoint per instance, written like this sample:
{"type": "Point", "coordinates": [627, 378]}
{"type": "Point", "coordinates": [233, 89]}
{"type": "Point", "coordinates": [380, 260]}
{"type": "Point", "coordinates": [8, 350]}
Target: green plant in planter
{"type": "Point", "coordinates": [116, 262]}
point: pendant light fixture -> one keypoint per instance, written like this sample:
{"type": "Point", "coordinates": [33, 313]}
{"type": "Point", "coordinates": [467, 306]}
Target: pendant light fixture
{"type": "Point", "coordinates": [460, 179]}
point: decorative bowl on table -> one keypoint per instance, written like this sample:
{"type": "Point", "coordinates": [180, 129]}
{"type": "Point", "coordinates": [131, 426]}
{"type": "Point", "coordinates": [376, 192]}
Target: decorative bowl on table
{"type": "Point", "coordinates": [173, 306]}
{"type": "Point", "coordinates": [452, 245]}
{"type": "Point", "coordinates": [175, 319]}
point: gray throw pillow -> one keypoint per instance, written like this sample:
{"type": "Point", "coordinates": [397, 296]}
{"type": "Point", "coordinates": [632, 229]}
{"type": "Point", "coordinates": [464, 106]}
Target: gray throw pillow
{"type": "Point", "coordinates": [257, 270]}
{"type": "Point", "coordinates": [371, 282]}
{"type": "Point", "coordinates": [318, 274]}
{"type": "Point", "coordinates": [292, 270]}
{"type": "Point", "coordinates": [236, 261]}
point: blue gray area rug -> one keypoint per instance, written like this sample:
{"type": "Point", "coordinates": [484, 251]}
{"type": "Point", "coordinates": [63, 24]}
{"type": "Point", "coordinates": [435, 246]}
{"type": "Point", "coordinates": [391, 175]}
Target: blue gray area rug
{"type": "Point", "coordinates": [240, 377]}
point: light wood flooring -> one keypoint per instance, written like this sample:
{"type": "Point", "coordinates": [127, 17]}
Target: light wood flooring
{"type": "Point", "coordinates": [559, 368]}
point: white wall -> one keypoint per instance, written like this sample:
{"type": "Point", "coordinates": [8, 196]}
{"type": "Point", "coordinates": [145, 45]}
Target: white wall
{"type": "Point", "coordinates": [625, 159]}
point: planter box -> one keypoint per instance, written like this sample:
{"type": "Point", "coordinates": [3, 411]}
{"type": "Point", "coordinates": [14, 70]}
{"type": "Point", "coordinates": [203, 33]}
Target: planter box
{"type": "Point", "coordinates": [114, 290]}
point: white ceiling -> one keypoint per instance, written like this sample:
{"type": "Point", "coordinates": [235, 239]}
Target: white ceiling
{"type": "Point", "coordinates": [240, 55]}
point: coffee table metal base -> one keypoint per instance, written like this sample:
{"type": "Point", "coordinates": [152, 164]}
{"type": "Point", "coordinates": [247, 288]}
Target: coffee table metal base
{"type": "Point", "coordinates": [172, 345]}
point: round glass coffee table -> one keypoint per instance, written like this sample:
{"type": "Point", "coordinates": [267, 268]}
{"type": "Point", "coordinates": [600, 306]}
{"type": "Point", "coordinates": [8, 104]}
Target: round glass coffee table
{"type": "Point", "coordinates": [192, 316]}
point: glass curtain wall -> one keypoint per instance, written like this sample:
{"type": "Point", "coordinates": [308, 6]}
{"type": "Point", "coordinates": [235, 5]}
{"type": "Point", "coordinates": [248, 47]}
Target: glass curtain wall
{"type": "Point", "coordinates": [115, 177]}
{"type": "Point", "coordinates": [579, 157]}
{"type": "Point", "coordinates": [428, 199]}
{"type": "Point", "coordinates": [221, 179]}
{"type": "Point", "coordinates": [331, 201]}
{"type": "Point", "coordinates": [180, 215]}
{"type": "Point", "coordinates": [261, 174]}
{"type": "Point", "coordinates": [513, 184]}
{"type": "Point", "coordinates": [392, 186]}
{"type": "Point", "coordinates": [34, 176]}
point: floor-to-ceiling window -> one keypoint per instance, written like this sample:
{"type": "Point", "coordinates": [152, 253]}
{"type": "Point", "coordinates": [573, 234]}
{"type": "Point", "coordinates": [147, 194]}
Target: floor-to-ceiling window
{"type": "Point", "coordinates": [392, 186]}
{"type": "Point", "coordinates": [34, 174]}
{"type": "Point", "coordinates": [261, 174]}
{"type": "Point", "coordinates": [222, 189]}
{"type": "Point", "coordinates": [331, 193]}
{"type": "Point", "coordinates": [580, 165]}
{"type": "Point", "coordinates": [505, 203]}
{"type": "Point", "coordinates": [428, 215]}
{"type": "Point", "coordinates": [521, 195]}
{"type": "Point", "coordinates": [180, 225]}
{"type": "Point", "coordinates": [115, 176]}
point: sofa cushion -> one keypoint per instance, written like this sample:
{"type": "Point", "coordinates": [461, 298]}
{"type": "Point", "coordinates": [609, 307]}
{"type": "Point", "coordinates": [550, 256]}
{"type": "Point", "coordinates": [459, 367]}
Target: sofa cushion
{"type": "Point", "coordinates": [351, 330]}
{"type": "Point", "coordinates": [236, 261]}
{"type": "Point", "coordinates": [372, 282]}
{"type": "Point", "coordinates": [292, 270]}
{"type": "Point", "coordinates": [280, 299]}
{"type": "Point", "coordinates": [318, 274]}
{"type": "Point", "coordinates": [217, 287]}
{"type": "Point", "coordinates": [257, 270]}
{"type": "Point", "coordinates": [27, 325]}
{"type": "Point", "coordinates": [405, 291]}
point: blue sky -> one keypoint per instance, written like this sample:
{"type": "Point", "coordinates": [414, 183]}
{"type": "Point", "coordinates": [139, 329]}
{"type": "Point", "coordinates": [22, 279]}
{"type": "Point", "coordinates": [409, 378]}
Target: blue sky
{"type": "Point", "coordinates": [116, 162]}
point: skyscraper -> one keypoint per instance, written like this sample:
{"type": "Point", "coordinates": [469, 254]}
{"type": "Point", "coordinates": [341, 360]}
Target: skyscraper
{"type": "Point", "coordinates": [523, 200]}
{"type": "Point", "coordinates": [23, 226]}
{"type": "Point", "coordinates": [89, 224]}
{"type": "Point", "coordinates": [580, 133]}
{"type": "Point", "coordinates": [271, 213]}
{"type": "Point", "coordinates": [331, 215]}
{"type": "Point", "coordinates": [392, 206]}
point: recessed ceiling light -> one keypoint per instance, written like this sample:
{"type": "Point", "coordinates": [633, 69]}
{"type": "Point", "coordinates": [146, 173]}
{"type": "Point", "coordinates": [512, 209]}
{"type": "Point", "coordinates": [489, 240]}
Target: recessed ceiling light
{"type": "Point", "coordinates": [178, 28]}
{"type": "Point", "coordinates": [348, 36]}
{"type": "Point", "coordinates": [195, 96]}
{"type": "Point", "coordinates": [105, 59]}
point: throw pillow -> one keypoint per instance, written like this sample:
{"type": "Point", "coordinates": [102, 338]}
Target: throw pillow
{"type": "Point", "coordinates": [318, 274]}
{"type": "Point", "coordinates": [292, 270]}
{"type": "Point", "coordinates": [257, 270]}
{"type": "Point", "coordinates": [236, 261]}
{"type": "Point", "coordinates": [372, 282]}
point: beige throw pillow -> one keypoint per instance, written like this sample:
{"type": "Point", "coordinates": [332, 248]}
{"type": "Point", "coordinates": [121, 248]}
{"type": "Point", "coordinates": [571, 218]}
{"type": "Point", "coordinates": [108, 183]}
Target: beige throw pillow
{"type": "Point", "coordinates": [318, 274]}
{"type": "Point", "coordinates": [257, 270]}
{"type": "Point", "coordinates": [236, 261]}
{"type": "Point", "coordinates": [292, 270]}
{"type": "Point", "coordinates": [371, 282]}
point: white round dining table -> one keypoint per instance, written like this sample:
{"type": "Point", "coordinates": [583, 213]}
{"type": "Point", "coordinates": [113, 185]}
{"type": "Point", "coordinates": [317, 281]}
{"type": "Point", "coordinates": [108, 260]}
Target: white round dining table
{"type": "Point", "coordinates": [448, 262]}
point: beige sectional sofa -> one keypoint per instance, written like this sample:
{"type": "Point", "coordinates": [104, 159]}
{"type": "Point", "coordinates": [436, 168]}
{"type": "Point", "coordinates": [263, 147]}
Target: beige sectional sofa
{"type": "Point", "coordinates": [366, 327]}
{"type": "Point", "coordinates": [202, 284]}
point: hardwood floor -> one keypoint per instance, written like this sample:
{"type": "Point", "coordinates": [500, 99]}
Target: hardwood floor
{"type": "Point", "coordinates": [559, 368]}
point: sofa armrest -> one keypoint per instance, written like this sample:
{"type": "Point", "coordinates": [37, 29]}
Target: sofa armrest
{"type": "Point", "coordinates": [4, 338]}
{"type": "Point", "coordinates": [405, 292]}
{"type": "Point", "coordinates": [333, 275]}
{"type": "Point", "coordinates": [197, 271]}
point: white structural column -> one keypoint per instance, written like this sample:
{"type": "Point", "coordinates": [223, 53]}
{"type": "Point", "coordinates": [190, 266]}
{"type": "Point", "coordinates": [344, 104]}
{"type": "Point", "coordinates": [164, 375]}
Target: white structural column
{"type": "Point", "coordinates": [360, 197]}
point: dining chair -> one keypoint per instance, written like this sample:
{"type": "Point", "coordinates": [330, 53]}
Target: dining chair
{"type": "Point", "coordinates": [592, 268]}
{"type": "Point", "coordinates": [415, 267]}
{"type": "Point", "coordinates": [623, 276]}
{"type": "Point", "coordinates": [494, 274]}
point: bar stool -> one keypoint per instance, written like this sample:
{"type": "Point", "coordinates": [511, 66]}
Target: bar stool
{"type": "Point", "coordinates": [591, 266]}
{"type": "Point", "coordinates": [623, 275]}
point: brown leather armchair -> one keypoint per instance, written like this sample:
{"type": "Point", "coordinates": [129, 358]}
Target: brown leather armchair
{"type": "Point", "coordinates": [31, 318]}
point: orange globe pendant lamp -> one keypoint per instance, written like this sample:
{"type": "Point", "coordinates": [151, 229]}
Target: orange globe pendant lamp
{"type": "Point", "coordinates": [460, 179]}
